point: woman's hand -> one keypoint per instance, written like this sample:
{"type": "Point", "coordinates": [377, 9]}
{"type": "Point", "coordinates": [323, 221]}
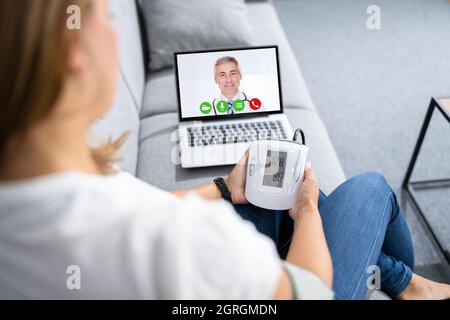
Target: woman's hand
{"type": "Point", "coordinates": [236, 181]}
{"type": "Point", "coordinates": [308, 196]}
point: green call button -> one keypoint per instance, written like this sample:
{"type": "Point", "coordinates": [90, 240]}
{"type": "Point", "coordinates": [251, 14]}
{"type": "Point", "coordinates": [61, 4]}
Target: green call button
{"type": "Point", "coordinates": [238, 105]}
{"type": "Point", "coordinates": [222, 106]}
{"type": "Point", "coordinates": [205, 107]}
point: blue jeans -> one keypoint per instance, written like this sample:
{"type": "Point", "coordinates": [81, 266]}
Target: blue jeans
{"type": "Point", "coordinates": [364, 226]}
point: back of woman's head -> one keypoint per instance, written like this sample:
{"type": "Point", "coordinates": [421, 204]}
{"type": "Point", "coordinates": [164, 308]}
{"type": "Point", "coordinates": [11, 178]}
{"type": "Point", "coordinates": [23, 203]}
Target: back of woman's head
{"type": "Point", "coordinates": [35, 44]}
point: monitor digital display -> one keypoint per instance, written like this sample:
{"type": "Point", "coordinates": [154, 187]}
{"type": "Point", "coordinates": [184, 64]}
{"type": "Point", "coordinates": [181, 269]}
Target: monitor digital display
{"type": "Point", "coordinates": [275, 168]}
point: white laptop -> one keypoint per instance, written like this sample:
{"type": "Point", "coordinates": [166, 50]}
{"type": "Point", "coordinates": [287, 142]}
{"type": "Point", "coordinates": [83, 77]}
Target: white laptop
{"type": "Point", "coordinates": [228, 99]}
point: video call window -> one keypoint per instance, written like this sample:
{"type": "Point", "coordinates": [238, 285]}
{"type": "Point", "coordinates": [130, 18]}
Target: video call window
{"type": "Point", "coordinates": [230, 82]}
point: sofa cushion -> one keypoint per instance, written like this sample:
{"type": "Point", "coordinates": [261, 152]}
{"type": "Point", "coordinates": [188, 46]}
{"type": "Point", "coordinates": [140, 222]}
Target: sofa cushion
{"type": "Point", "coordinates": [124, 16]}
{"type": "Point", "coordinates": [120, 118]}
{"type": "Point", "coordinates": [123, 115]}
{"type": "Point", "coordinates": [158, 161]}
{"type": "Point", "coordinates": [205, 24]}
{"type": "Point", "coordinates": [160, 94]}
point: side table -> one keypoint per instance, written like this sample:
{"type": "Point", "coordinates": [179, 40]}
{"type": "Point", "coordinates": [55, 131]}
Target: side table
{"type": "Point", "coordinates": [442, 105]}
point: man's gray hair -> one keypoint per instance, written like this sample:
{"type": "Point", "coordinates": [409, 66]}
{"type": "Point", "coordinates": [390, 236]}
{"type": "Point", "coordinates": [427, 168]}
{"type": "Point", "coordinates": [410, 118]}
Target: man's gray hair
{"type": "Point", "coordinates": [225, 60]}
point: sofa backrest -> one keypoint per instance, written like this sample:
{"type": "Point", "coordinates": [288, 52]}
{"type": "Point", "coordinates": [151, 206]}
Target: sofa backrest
{"type": "Point", "coordinates": [125, 17]}
{"type": "Point", "coordinates": [124, 113]}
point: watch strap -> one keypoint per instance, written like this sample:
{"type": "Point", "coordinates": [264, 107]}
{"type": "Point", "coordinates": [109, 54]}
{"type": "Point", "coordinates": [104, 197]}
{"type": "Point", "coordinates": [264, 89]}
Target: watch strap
{"type": "Point", "coordinates": [221, 184]}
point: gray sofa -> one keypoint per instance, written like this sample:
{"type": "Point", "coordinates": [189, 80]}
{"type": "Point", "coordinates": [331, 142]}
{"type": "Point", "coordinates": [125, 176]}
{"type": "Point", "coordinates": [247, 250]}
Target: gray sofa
{"type": "Point", "coordinates": [146, 105]}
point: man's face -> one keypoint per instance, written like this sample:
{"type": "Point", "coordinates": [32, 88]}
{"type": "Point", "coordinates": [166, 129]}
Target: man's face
{"type": "Point", "coordinates": [228, 78]}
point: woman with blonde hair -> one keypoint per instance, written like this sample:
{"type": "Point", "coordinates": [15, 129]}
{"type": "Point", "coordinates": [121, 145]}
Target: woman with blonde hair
{"type": "Point", "coordinates": [64, 206]}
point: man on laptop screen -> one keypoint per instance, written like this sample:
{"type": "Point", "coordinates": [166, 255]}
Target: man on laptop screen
{"type": "Point", "coordinates": [228, 76]}
{"type": "Point", "coordinates": [228, 82]}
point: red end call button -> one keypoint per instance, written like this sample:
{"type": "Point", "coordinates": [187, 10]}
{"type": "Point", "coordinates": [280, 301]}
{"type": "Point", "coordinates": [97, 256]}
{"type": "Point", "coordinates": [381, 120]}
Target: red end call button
{"type": "Point", "coordinates": [255, 103]}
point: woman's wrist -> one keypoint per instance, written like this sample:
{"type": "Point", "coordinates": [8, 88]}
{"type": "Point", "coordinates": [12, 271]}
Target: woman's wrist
{"type": "Point", "coordinates": [305, 207]}
{"type": "Point", "coordinates": [208, 191]}
{"type": "Point", "coordinates": [305, 210]}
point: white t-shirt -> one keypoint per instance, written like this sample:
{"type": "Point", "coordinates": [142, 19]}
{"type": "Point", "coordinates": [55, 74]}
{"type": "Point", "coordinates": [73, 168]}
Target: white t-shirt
{"type": "Point", "coordinates": [118, 237]}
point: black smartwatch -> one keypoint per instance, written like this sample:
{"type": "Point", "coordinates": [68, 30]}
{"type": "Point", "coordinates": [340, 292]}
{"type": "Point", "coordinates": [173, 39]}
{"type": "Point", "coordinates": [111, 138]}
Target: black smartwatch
{"type": "Point", "coordinates": [220, 183]}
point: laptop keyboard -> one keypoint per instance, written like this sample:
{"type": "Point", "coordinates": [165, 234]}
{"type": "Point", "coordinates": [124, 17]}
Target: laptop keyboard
{"type": "Point", "coordinates": [235, 133]}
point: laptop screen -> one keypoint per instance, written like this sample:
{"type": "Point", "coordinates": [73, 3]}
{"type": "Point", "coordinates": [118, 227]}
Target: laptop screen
{"type": "Point", "coordinates": [228, 83]}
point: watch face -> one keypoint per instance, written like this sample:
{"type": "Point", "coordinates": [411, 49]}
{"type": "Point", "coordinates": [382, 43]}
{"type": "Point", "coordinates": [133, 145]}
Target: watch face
{"type": "Point", "coordinates": [275, 169]}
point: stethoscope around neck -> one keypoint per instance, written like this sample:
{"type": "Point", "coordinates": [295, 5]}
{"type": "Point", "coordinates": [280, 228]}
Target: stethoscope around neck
{"type": "Point", "coordinates": [244, 100]}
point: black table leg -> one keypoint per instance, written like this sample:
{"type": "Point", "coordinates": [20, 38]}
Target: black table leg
{"type": "Point", "coordinates": [408, 185]}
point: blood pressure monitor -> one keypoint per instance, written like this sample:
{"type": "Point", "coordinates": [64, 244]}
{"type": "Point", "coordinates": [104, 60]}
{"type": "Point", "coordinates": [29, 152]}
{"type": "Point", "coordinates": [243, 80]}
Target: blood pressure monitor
{"type": "Point", "coordinates": [274, 172]}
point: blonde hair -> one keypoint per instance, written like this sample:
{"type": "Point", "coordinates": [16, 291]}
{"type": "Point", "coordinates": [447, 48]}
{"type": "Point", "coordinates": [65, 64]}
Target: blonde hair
{"type": "Point", "coordinates": [34, 44]}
